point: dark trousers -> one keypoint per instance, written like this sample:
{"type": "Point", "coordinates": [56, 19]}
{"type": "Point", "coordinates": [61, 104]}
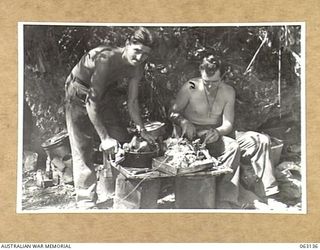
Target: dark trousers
{"type": "Point", "coordinates": [82, 134]}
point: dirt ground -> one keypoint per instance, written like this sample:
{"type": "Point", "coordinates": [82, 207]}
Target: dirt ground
{"type": "Point", "coordinates": [61, 198]}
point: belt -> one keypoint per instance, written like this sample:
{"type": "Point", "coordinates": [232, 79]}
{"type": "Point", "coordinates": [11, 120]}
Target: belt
{"type": "Point", "coordinates": [81, 91]}
{"type": "Point", "coordinates": [77, 79]}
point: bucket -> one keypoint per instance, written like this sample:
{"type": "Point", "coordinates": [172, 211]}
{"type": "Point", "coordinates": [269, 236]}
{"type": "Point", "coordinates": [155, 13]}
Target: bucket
{"type": "Point", "coordinates": [57, 146]}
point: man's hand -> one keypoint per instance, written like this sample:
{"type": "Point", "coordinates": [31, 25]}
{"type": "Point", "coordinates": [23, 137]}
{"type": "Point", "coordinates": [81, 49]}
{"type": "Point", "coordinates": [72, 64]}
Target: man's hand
{"type": "Point", "coordinates": [212, 136]}
{"type": "Point", "coordinates": [188, 129]}
{"type": "Point", "coordinates": [148, 137]}
{"type": "Point", "coordinates": [110, 146]}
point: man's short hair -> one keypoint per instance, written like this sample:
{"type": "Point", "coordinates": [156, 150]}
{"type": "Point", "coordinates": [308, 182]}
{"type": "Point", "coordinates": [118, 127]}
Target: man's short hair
{"type": "Point", "coordinates": [144, 36]}
{"type": "Point", "coordinates": [210, 64]}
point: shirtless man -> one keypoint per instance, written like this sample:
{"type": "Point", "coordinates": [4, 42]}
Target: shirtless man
{"type": "Point", "coordinates": [204, 107]}
{"type": "Point", "coordinates": [90, 106]}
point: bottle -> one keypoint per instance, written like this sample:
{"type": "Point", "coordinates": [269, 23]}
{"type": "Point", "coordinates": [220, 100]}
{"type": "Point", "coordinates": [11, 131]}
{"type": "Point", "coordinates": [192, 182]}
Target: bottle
{"type": "Point", "coordinates": [49, 172]}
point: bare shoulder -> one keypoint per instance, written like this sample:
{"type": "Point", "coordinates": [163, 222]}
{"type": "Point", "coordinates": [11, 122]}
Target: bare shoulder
{"type": "Point", "coordinates": [104, 54]}
{"type": "Point", "coordinates": [227, 90]}
{"type": "Point", "coordinates": [193, 83]}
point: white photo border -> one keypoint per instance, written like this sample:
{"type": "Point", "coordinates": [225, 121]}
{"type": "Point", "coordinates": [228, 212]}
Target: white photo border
{"type": "Point", "coordinates": [234, 211]}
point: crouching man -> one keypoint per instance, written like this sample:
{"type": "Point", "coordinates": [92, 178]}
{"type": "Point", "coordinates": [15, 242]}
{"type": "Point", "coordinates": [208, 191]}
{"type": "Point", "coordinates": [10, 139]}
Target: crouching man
{"type": "Point", "coordinates": [204, 108]}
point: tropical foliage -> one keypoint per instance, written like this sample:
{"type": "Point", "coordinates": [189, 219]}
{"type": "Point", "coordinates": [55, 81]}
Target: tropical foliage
{"type": "Point", "coordinates": [261, 63]}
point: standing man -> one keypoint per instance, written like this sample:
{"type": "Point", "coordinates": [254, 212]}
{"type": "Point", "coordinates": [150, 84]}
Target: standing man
{"type": "Point", "coordinates": [204, 107]}
{"type": "Point", "coordinates": [90, 107]}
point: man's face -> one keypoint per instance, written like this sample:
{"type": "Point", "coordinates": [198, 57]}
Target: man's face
{"type": "Point", "coordinates": [212, 78]}
{"type": "Point", "coordinates": [137, 53]}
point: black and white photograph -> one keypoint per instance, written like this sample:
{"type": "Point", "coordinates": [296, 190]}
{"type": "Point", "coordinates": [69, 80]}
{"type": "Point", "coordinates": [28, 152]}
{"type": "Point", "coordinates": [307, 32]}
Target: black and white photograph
{"type": "Point", "coordinates": [161, 118]}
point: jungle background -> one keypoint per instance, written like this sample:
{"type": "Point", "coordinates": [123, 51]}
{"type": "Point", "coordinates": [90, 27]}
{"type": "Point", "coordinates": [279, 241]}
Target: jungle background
{"type": "Point", "coordinates": [262, 63]}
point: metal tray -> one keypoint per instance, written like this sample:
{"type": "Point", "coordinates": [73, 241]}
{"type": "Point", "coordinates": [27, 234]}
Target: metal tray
{"type": "Point", "coordinates": [160, 164]}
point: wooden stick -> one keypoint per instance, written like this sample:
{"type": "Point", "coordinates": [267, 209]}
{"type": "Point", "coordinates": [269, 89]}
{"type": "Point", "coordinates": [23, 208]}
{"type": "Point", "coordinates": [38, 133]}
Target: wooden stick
{"type": "Point", "coordinates": [279, 81]}
{"type": "Point", "coordinates": [254, 57]}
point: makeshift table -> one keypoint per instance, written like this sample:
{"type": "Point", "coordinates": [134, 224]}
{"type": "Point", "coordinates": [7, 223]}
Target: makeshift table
{"type": "Point", "coordinates": [139, 188]}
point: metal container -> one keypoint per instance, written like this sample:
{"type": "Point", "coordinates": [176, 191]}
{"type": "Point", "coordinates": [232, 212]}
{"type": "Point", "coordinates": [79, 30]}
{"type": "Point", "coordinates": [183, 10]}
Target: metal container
{"type": "Point", "coordinates": [156, 129]}
{"type": "Point", "coordinates": [195, 192]}
{"type": "Point", "coordinates": [134, 194]}
{"type": "Point", "coordinates": [139, 159]}
{"type": "Point", "coordinates": [57, 146]}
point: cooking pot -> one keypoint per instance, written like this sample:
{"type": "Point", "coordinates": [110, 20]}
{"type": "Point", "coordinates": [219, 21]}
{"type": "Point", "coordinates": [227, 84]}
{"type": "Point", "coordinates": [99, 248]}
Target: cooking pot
{"type": "Point", "coordinates": [139, 159]}
{"type": "Point", "coordinates": [156, 129]}
{"type": "Point", "coordinates": [57, 146]}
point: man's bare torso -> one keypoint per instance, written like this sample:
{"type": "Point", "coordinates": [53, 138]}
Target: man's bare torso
{"type": "Point", "coordinates": [206, 108]}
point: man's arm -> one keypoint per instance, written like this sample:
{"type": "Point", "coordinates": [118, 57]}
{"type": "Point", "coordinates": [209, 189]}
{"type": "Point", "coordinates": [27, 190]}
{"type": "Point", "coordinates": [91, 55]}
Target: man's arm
{"type": "Point", "coordinates": [228, 114]}
{"type": "Point", "coordinates": [179, 104]}
{"type": "Point", "coordinates": [98, 85]}
{"type": "Point", "coordinates": [176, 114]}
{"type": "Point", "coordinates": [133, 105]}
